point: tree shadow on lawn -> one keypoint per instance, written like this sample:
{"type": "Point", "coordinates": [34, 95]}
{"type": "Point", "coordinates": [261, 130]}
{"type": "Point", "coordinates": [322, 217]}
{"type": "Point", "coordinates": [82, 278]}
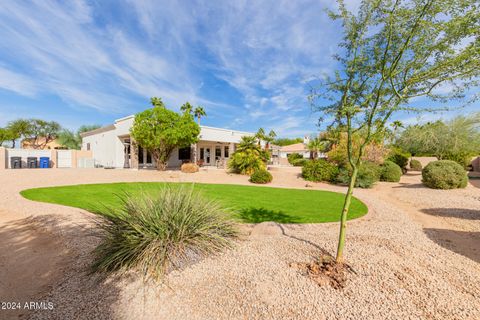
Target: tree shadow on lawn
{"type": "Point", "coordinates": [460, 213]}
{"type": "Point", "coordinates": [39, 268]}
{"type": "Point", "coordinates": [258, 215]}
{"type": "Point", "coordinates": [462, 242]}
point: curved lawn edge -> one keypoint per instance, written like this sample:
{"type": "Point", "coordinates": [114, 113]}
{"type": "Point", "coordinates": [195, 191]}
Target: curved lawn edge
{"type": "Point", "coordinates": [249, 204]}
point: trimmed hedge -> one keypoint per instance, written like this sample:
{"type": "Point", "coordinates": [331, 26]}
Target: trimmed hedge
{"type": "Point", "coordinates": [319, 170]}
{"type": "Point", "coordinates": [261, 176]}
{"type": "Point", "coordinates": [391, 172]}
{"type": "Point", "coordinates": [444, 174]}
{"type": "Point", "coordinates": [462, 158]}
{"type": "Point", "coordinates": [415, 165]}
{"type": "Point", "coordinates": [299, 162]}
{"type": "Point", "coordinates": [368, 174]}
{"type": "Point", "coordinates": [293, 157]}
{"type": "Point", "coordinates": [400, 158]}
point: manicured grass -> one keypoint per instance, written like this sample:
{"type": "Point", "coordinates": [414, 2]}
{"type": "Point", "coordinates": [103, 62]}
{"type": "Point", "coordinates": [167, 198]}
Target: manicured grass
{"type": "Point", "coordinates": [248, 203]}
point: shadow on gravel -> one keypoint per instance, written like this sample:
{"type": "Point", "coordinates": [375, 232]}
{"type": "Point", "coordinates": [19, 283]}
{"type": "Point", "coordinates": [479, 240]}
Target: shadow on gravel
{"type": "Point", "coordinates": [462, 242]}
{"type": "Point", "coordinates": [460, 213]}
{"type": "Point", "coordinates": [403, 185]}
{"type": "Point", "coordinates": [35, 266]}
{"type": "Point", "coordinates": [257, 215]}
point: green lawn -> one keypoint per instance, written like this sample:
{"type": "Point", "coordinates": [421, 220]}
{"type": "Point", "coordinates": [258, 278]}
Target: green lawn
{"type": "Point", "coordinates": [248, 203]}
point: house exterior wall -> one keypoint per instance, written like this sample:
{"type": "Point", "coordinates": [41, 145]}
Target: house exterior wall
{"type": "Point", "coordinates": [106, 144]}
{"type": "Point", "coordinates": [106, 147]}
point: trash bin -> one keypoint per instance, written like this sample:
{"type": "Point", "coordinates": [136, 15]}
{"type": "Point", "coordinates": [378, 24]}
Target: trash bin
{"type": "Point", "coordinates": [32, 162]}
{"type": "Point", "coordinates": [16, 162]}
{"type": "Point", "coordinates": [44, 162]}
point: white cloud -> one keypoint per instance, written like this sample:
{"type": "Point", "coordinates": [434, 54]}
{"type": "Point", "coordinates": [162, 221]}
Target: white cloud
{"type": "Point", "coordinates": [19, 83]}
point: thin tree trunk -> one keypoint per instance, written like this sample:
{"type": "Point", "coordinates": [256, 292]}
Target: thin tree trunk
{"type": "Point", "coordinates": [343, 219]}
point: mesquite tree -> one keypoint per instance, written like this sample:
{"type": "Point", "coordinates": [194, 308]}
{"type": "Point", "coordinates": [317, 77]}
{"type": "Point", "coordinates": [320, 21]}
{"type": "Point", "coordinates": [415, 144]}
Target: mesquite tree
{"type": "Point", "coordinates": [393, 51]}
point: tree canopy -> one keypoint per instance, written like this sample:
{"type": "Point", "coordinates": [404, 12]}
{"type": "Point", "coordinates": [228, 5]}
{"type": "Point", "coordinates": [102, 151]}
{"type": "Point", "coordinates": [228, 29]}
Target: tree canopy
{"type": "Point", "coordinates": [160, 130]}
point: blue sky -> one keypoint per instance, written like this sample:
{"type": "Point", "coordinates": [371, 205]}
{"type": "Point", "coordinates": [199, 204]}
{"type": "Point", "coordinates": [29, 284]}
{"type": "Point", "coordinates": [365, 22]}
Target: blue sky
{"type": "Point", "coordinates": [247, 63]}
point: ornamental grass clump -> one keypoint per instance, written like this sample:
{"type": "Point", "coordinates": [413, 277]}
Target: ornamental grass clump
{"type": "Point", "coordinates": [158, 233]}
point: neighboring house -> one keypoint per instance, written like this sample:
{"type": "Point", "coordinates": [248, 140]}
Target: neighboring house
{"type": "Point", "coordinates": [300, 148]}
{"type": "Point", "coordinates": [28, 143]}
{"type": "Point", "coordinates": [112, 147]}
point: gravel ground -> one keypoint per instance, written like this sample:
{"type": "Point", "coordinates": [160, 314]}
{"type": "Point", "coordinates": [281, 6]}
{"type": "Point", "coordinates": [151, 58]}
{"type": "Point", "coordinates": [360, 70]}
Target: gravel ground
{"type": "Point", "coordinates": [402, 269]}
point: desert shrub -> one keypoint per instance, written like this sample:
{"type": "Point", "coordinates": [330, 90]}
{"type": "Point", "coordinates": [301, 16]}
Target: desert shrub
{"type": "Point", "coordinates": [156, 234]}
{"type": "Point", "coordinates": [400, 158]}
{"type": "Point", "coordinates": [415, 165]}
{"type": "Point", "coordinates": [368, 174]}
{"type": "Point", "coordinates": [299, 162]}
{"type": "Point", "coordinates": [189, 168]}
{"type": "Point", "coordinates": [390, 172]}
{"type": "Point", "coordinates": [319, 170]}
{"type": "Point", "coordinates": [462, 158]}
{"type": "Point", "coordinates": [245, 162]}
{"type": "Point", "coordinates": [444, 174]}
{"type": "Point", "coordinates": [261, 176]}
{"type": "Point", "coordinates": [294, 157]}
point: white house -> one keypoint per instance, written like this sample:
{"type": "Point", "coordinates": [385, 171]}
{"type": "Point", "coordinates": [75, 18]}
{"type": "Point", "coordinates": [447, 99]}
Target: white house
{"type": "Point", "coordinates": [112, 147]}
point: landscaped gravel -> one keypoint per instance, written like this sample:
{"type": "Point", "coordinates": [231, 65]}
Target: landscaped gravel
{"type": "Point", "coordinates": [400, 273]}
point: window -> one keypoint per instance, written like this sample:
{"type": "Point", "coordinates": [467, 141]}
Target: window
{"type": "Point", "coordinates": [184, 153]}
{"type": "Point", "coordinates": [140, 155]}
{"type": "Point", "coordinates": [226, 152]}
{"type": "Point", "coordinates": [218, 152]}
{"type": "Point", "coordinates": [88, 146]}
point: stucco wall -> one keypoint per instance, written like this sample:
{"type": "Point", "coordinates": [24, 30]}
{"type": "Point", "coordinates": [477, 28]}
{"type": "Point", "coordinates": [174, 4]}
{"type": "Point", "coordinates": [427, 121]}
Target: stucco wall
{"type": "Point", "coordinates": [106, 148]}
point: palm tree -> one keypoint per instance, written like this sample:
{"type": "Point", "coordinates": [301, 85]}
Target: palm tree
{"type": "Point", "coordinates": [157, 102]}
{"type": "Point", "coordinates": [198, 113]}
{"type": "Point", "coordinates": [186, 107]}
{"type": "Point", "coordinates": [260, 135]}
{"type": "Point", "coordinates": [269, 138]}
{"type": "Point", "coordinates": [248, 143]}
{"type": "Point", "coordinates": [317, 145]}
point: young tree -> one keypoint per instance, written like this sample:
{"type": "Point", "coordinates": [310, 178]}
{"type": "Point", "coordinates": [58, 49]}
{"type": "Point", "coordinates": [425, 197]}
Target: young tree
{"type": "Point", "coordinates": [393, 51]}
{"type": "Point", "coordinates": [160, 131]}
{"type": "Point", "coordinates": [199, 112]}
{"type": "Point", "coordinates": [20, 128]}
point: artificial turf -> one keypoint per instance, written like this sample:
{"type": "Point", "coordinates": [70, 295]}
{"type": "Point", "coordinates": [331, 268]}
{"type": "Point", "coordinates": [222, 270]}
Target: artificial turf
{"type": "Point", "coordinates": [249, 204]}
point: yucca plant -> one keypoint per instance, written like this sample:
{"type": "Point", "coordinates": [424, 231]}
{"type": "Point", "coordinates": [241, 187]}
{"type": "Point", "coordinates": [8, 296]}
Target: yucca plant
{"type": "Point", "coordinates": [156, 234]}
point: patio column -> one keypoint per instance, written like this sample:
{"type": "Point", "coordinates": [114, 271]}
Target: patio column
{"type": "Point", "coordinates": [133, 154]}
{"type": "Point", "coordinates": [231, 149]}
{"type": "Point", "coordinates": [194, 153]}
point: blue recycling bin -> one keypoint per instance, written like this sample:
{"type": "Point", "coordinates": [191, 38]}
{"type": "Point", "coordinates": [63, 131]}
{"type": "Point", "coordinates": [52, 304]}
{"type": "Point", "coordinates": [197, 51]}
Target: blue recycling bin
{"type": "Point", "coordinates": [44, 162]}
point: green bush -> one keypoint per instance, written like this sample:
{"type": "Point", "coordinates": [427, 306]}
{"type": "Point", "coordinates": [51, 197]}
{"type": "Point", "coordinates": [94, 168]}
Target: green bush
{"type": "Point", "coordinates": [319, 170]}
{"type": "Point", "coordinates": [415, 165]}
{"type": "Point", "coordinates": [400, 158]}
{"type": "Point", "coordinates": [368, 174]}
{"type": "Point", "coordinates": [299, 162]}
{"type": "Point", "coordinates": [444, 174]}
{"type": "Point", "coordinates": [390, 172]}
{"type": "Point", "coordinates": [462, 158]}
{"type": "Point", "coordinates": [292, 157]}
{"type": "Point", "coordinates": [261, 176]}
{"type": "Point", "coordinates": [156, 234]}
{"type": "Point", "coordinates": [245, 162]}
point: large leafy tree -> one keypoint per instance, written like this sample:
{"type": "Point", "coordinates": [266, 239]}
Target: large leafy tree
{"type": "Point", "coordinates": [18, 129]}
{"type": "Point", "coordinates": [439, 139]}
{"type": "Point", "coordinates": [160, 130]}
{"type": "Point", "coordinates": [43, 132]}
{"type": "Point", "coordinates": [394, 51]}
{"type": "Point", "coordinates": [5, 135]}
